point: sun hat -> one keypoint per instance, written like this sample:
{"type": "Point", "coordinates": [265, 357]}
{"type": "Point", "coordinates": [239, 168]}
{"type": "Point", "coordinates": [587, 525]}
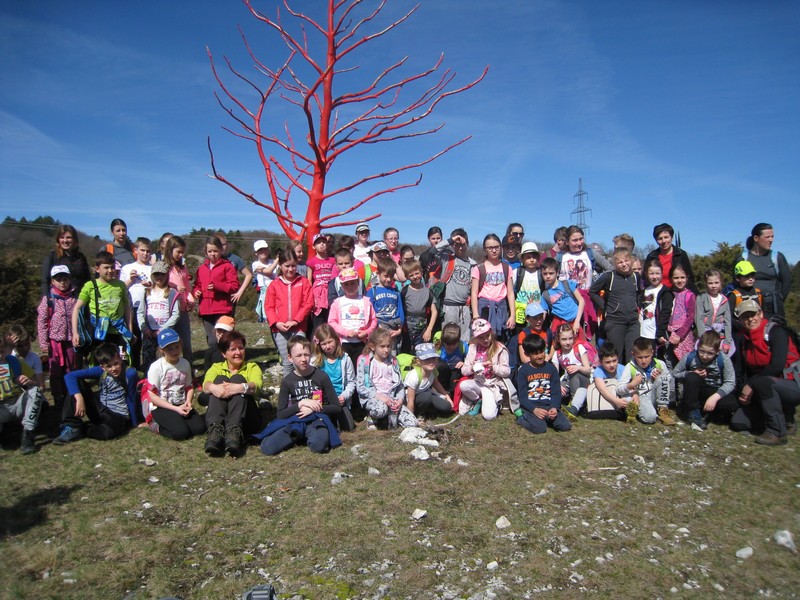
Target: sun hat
{"type": "Point", "coordinates": [166, 337]}
{"type": "Point", "coordinates": [480, 326]}
{"type": "Point", "coordinates": [529, 247]}
{"type": "Point", "coordinates": [425, 351]}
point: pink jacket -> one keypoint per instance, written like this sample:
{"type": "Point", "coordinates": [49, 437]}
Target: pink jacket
{"type": "Point", "coordinates": [226, 282]}
{"type": "Point", "coordinates": [335, 319]}
{"type": "Point", "coordinates": [55, 323]}
{"type": "Point", "coordinates": [180, 278]}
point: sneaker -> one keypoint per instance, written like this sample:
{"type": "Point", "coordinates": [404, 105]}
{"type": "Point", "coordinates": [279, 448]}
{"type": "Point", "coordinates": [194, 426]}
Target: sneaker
{"type": "Point", "coordinates": [27, 445]}
{"type": "Point", "coordinates": [664, 417]}
{"type": "Point", "coordinates": [476, 410]}
{"type": "Point", "coordinates": [370, 424]}
{"type": "Point", "coordinates": [695, 418]}
{"type": "Point", "coordinates": [233, 441]}
{"type": "Point", "coordinates": [215, 443]}
{"type": "Point", "coordinates": [571, 412]}
{"type": "Point", "coordinates": [68, 435]}
{"type": "Point", "coordinates": [632, 411]}
{"type": "Point", "coordinates": [770, 439]}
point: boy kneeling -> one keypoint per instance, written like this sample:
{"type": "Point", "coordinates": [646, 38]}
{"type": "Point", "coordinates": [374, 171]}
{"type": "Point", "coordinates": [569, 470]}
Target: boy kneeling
{"type": "Point", "coordinates": [539, 391]}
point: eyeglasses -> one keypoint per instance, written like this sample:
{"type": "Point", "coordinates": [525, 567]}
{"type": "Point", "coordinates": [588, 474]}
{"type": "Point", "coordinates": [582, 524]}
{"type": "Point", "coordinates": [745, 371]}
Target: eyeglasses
{"type": "Point", "coordinates": [487, 248]}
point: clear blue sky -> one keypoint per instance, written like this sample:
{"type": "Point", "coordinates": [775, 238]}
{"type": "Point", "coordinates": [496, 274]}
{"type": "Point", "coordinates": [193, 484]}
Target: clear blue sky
{"type": "Point", "coordinates": [685, 112]}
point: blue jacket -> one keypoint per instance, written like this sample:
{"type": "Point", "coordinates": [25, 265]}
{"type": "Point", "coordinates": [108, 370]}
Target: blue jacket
{"type": "Point", "coordinates": [297, 426]}
{"type": "Point", "coordinates": [74, 378]}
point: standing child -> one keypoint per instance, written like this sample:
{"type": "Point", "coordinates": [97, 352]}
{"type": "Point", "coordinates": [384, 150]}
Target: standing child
{"type": "Point", "coordinates": [648, 381]}
{"type": "Point", "coordinates": [386, 302]}
{"type": "Point", "coordinates": [171, 391]}
{"type": "Point", "coordinates": [712, 311]}
{"type": "Point", "coordinates": [55, 330]}
{"type": "Point", "coordinates": [20, 398]}
{"type": "Point", "coordinates": [418, 307]}
{"type": "Point", "coordinates": [572, 362]}
{"type": "Point", "coordinates": [681, 337]}
{"type": "Point", "coordinates": [113, 411]}
{"type": "Point", "coordinates": [379, 384]}
{"type": "Point", "coordinates": [452, 352]}
{"type": "Point", "coordinates": [299, 252]}
{"type": "Point", "coordinates": [561, 298]}
{"type": "Point", "coordinates": [136, 276]}
{"type": "Point", "coordinates": [288, 304]}
{"type": "Point", "coordinates": [321, 269]}
{"type": "Point", "coordinates": [424, 393]}
{"type": "Point", "coordinates": [606, 398]}
{"type": "Point", "coordinates": [528, 283]}
{"type": "Point", "coordinates": [655, 308]}
{"type": "Point", "coordinates": [215, 283]}
{"type": "Point", "coordinates": [540, 392]}
{"type": "Point", "coordinates": [158, 310]}
{"type": "Point", "coordinates": [181, 281]}
{"type": "Point", "coordinates": [351, 316]}
{"type": "Point", "coordinates": [492, 295]}
{"type": "Point", "coordinates": [487, 364]}
{"type": "Point", "coordinates": [264, 272]}
{"type": "Point", "coordinates": [743, 289]}
{"type": "Point", "coordinates": [331, 359]}
{"type": "Point", "coordinates": [344, 260]}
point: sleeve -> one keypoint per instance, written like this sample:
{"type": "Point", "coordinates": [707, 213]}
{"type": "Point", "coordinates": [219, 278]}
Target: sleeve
{"type": "Point", "coordinates": [348, 377]}
{"type": "Point", "coordinates": [154, 374]}
{"type": "Point", "coordinates": [43, 325]}
{"type": "Point", "coordinates": [270, 304]}
{"type": "Point", "coordinates": [332, 291]}
{"type": "Point", "coordinates": [727, 321]}
{"type": "Point", "coordinates": [469, 360]}
{"type": "Point", "coordinates": [597, 286]}
{"type": "Point", "coordinates": [372, 318]}
{"type": "Point", "coordinates": [602, 262]}
{"type": "Point", "coordinates": [728, 377]}
{"type": "Point", "coordinates": [679, 372]}
{"type": "Point", "coordinates": [131, 395]}
{"type": "Point", "coordinates": [474, 273]}
{"type": "Point", "coordinates": [306, 301]}
{"type": "Point", "coordinates": [625, 378]}
{"type": "Point", "coordinates": [73, 378]}
{"type": "Point", "coordinates": [784, 276]}
{"type": "Point", "coordinates": [411, 379]}
{"type": "Point", "coordinates": [665, 301]}
{"type": "Point", "coordinates": [365, 391]}
{"type": "Point", "coordinates": [700, 313]}
{"type": "Point", "coordinates": [284, 412]}
{"type": "Point", "coordinates": [212, 373]}
{"type": "Point", "coordinates": [555, 389]}
{"type": "Point", "coordinates": [254, 376]}
{"type": "Point", "coordinates": [401, 315]}
{"type": "Point", "coordinates": [174, 309]}
{"type": "Point", "coordinates": [500, 363]}
{"type": "Point", "coordinates": [779, 346]}
{"type": "Point", "coordinates": [335, 318]}
{"type": "Point", "coordinates": [522, 388]}
{"type": "Point", "coordinates": [141, 313]}
{"type": "Point", "coordinates": [198, 280]}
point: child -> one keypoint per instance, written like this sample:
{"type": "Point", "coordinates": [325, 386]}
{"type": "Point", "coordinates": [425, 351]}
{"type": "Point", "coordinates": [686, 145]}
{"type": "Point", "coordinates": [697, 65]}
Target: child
{"type": "Point", "coordinates": [299, 252]}
{"type": "Point", "coordinates": [606, 398]}
{"type": "Point", "coordinates": [535, 317]}
{"type": "Point", "coordinates": [136, 276]}
{"type": "Point", "coordinates": [452, 352]}
{"type": "Point", "coordinates": [344, 260]}
{"type": "Point", "coordinates": [338, 366]}
{"type": "Point", "coordinates": [20, 398]}
{"type": "Point", "coordinates": [264, 272]}
{"type": "Point", "coordinates": [171, 391]}
{"type": "Point", "coordinates": [109, 306]}
{"type": "Point", "coordinates": [180, 280]}
{"type": "Point", "coordinates": [712, 311]}
{"type": "Point", "coordinates": [453, 286]}
{"type": "Point", "coordinates": [288, 305]}
{"type": "Point", "coordinates": [424, 393]}
{"type": "Point", "coordinates": [211, 356]}
{"type": "Point", "coordinates": [492, 295]}
{"type": "Point", "coordinates": [577, 261]}
{"type": "Point", "coordinates": [655, 307]}
{"type": "Point", "coordinates": [681, 337]}
{"type": "Point", "coordinates": [487, 364]}
{"type": "Point", "coordinates": [561, 298]}
{"type": "Point", "coordinates": [574, 360]}
{"type": "Point", "coordinates": [158, 310]}
{"type": "Point", "coordinates": [307, 407]}
{"type": "Point", "coordinates": [418, 307]}
{"type": "Point", "coordinates": [647, 380]}
{"type": "Point", "coordinates": [351, 316]}
{"type": "Point", "coordinates": [379, 384]}
{"type": "Point", "coordinates": [20, 340]}
{"type": "Point", "coordinates": [113, 411]}
{"type": "Point", "coordinates": [528, 283]}
{"type": "Point", "coordinates": [386, 301]}
{"type": "Point", "coordinates": [616, 293]}
{"type": "Point", "coordinates": [709, 381]}
{"type": "Point", "coordinates": [743, 289]}
{"type": "Point", "coordinates": [321, 269]}
{"type": "Point", "coordinates": [540, 392]}
{"type": "Point", "coordinates": [55, 330]}
{"type": "Point", "coordinates": [214, 285]}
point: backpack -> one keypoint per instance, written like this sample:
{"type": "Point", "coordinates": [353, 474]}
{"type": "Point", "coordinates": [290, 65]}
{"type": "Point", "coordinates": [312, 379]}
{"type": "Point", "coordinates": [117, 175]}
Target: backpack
{"type": "Point", "coordinates": [438, 285]}
{"type": "Point", "coordinates": [513, 348]}
{"type": "Point", "coordinates": [567, 292]}
{"type": "Point", "coordinates": [482, 274]}
{"type": "Point", "coordinates": [144, 387]}
{"type": "Point", "coordinates": [792, 370]}
{"type": "Point", "coordinates": [693, 355]}
{"type": "Point", "coordinates": [739, 297]}
{"type": "Point", "coordinates": [87, 338]}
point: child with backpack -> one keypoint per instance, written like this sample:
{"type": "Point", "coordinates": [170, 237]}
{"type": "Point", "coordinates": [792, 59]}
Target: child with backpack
{"type": "Point", "coordinates": [418, 307]}
{"type": "Point", "coordinates": [159, 309]}
{"type": "Point", "coordinates": [321, 269]}
{"type": "Point", "coordinates": [54, 329]}
{"type": "Point", "coordinates": [655, 307]}
{"type": "Point", "coordinates": [535, 316]}
{"type": "Point", "coordinates": [606, 398]}
{"type": "Point", "coordinates": [528, 283]}
{"type": "Point", "coordinates": [452, 352]}
{"type": "Point", "coordinates": [571, 359]}
{"type": "Point", "coordinates": [647, 379]}
{"type": "Point", "coordinates": [681, 335]}
{"type": "Point", "coordinates": [351, 315]}
{"type": "Point", "coordinates": [424, 393]}
{"type": "Point", "coordinates": [712, 311]}
{"type": "Point", "coordinates": [337, 365]}
{"type": "Point", "coordinates": [561, 298]}
{"type": "Point", "coordinates": [492, 295]}
{"type": "Point", "coordinates": [387, 303]}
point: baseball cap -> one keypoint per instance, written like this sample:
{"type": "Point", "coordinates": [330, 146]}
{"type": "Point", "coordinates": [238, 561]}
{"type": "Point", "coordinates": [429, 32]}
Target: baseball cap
{"type": "Point", "coordinates": [378, 246]}
{"type": "Point", "coordinates": [225, 323]}
{"type": "Point", "coordinates": [166, 337]}
{"type": "Point", "coordinates": [318, 237]}
{"type": "Point", "coordinates": [744, 267]}
{"type": "Point", "coordinates": [747, 306]}
{"type": "Point", "coordinates": [260, 245]}
{"type": "Point", "coordinates": [425, 351]}
{"type": "Point", "coordinates": [362, 227]}
{"type": "Point", "coordinates": [534, 309]}
{"type": "Point", "coordinates": [511, 240]}
{"type": "Point", "coordinates": [60, 270]}
{"type": "Point", "coordinates": [529, 247]}
{"type": "Point", "coordinates": [348, 275]}
{"type": "Point", "coordinates": [480, 326]}
{"type": "Point", "coordinates": [159, 267]}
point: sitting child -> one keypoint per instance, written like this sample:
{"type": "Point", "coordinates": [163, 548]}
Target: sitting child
{"type": "Point", "coordinates": [606, 398]}
{"type": "Point", "coordinates": [113, 411]}
{"type": "Point", "coordinates": [539, 391]}
{"type": "Point", "coordinates": [424, 393]}
{"type": "Point", "coordinates": [648, 380]}
{"type": "Point", "coordinates": [452, 352]}
{"type": "Point", "coordinates": [20, 398]}
{"type": "Point", "coordinates": [332, 360]}
{"type": "Point", "coordinates": [571, 360]}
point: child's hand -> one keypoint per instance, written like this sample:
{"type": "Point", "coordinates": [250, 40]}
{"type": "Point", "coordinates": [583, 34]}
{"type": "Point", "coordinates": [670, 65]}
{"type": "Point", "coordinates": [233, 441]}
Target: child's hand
{"type": "Point", "coordinates": [210, 286]}
{"type": "Point", "coordinates": [637, 381]}
{"type": "Point", "coordinates": [621, 403]}
{"type": "Point", "coordinates": [552, 413]}
{"type": "Point", "coordinates": [700, 372]}
{"type": "Point", "coordinates": [571, 369]}
{"type": "Point", "coordinates": [674, 339]}
{"type": "Point", "coordinates": [198, 294]}
{"type": "Point", "coordinates": [80, 406]}
{"type": "Point", "coordinates": [564, 391]}
{"type": "Point", "coordinates": [459, 364]}
{"type": "Point", "coordinates": [23, 380]}
{"type": "Point", "coordinates": [540, 413]}
{"type": "Point", "coordinates": [655, 373]}
{"type": "Point", "coordinates": [341, 400]}
{"type": "Point", "coordinates": [396, 332]}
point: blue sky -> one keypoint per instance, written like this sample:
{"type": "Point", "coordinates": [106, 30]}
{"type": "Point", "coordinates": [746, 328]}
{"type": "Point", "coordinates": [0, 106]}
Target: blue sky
{"type": "Point", "coordinates": [685, 112]}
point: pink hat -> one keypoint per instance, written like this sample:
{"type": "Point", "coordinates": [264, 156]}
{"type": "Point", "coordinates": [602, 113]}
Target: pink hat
{"type": "Point", "coordinates": [348, 275]}
{"type": "Point", "coordinates": [480, 326]}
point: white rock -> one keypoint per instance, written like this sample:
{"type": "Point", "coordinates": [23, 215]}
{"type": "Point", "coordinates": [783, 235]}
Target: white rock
{"type": "Point", "coordinates": [673, 590]}
{"type": "Point", "coordinates": [682, 530]}
{"type": "Point", "coordinates": [420, 453]}
{"type": "Point", "coordinates": [783, 537]}
{"type": "Point", "coordinates": [268, 498]}
{"type": "Point", "coordinates": [98, 465]}
{"type": "Point", "coordinates": [146, 505]}
{"type": "Point", "coordinates": [261, 342]}
{"type": "Point", "coordinates": [462, 463]}
{"type": "Point", "coordinates": [718, 587]}
{"type": "Point", "coordinates": [373, 471]}
{"type": "Point", "coordinates": [148, 462]}
{"type": "Point", "coordinates": [412, 435]}
{"type": "Point", "coordinates": [153, 479]}
{"type": "Point", "coordinates": [492, 566]}
{"type": "Point", "coordinates": [339, 478]}
{"type": "Point", "coordinates": [639, 459]}
{"type": "Point", "coordinates": [657, 536]}
{"type": "Point", "coordinates": [745, 552]}
{"type": "Point", "coordinates": [419, 514]}
{"type": "Point", "coordinates": [622, 478]}
{"type": "Point", "coordinates": [502, 523]}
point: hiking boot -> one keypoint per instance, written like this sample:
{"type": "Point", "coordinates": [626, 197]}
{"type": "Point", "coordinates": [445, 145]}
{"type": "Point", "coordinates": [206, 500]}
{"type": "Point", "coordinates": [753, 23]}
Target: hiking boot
{"type": "Point", "coordinates": [632, 411]}
{"type": "Point", "coordinates": [791, 428]}
{"type": "Point", "coordinates": [571, 412]}
{"type": "Point", "coordinates": [27, 445]}
{"type": "Point", "coordinates": [770, 439]}
{"type": "Point", "coordinates": [215, 442]}
{"type": "Point", "coordinates": [695, 418]}
{"type": "Point", "coordinates": [476, 410]}
{"type": "Point", "coordinates": [68, 435]}
{"type": "Point", "coordinates": [233, 441]}
{"type": "Point", "coordinates": [664, 417]}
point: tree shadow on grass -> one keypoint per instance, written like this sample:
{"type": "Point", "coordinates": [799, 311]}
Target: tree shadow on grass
{"type": "Point", "coordinates": [32, 510]}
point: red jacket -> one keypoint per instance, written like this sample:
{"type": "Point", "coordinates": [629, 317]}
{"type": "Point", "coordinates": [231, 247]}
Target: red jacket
{"type": "Point", "coordinates": [226, 283]}
{"type": "Point", "coordinates": [289, 302]}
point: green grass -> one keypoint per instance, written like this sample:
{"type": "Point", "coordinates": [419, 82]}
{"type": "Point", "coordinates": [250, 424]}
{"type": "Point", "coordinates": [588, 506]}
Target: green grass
{"type": "Point", "coordinates": [212, 528]}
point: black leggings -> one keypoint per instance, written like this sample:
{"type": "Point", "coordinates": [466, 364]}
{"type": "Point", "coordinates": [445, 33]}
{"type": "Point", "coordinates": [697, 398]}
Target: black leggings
{"type": "Point", "coordinates": [177, 427]}
{"type": "Point", "coordinates": [238, 410]}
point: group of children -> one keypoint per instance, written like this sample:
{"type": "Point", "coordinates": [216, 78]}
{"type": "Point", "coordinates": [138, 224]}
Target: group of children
{"type": "Point", "coordinates": [542, 339]}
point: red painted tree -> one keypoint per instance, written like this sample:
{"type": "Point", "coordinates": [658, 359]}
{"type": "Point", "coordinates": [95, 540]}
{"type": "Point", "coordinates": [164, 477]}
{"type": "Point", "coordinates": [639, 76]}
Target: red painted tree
{"type": "Point", "coordinates": [388, 107]}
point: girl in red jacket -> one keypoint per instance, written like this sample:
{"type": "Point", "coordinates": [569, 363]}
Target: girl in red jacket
{"type": "Point", "coordinates": [214, 283]}
{"type": "Point", "coordinates": [288, 305]}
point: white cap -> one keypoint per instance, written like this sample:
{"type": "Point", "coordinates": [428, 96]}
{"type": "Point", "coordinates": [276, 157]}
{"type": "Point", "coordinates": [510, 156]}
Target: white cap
{"type": "Point", "coordinates": [260, 245]}
{"type": "Point", "coordinates": [529, 247]}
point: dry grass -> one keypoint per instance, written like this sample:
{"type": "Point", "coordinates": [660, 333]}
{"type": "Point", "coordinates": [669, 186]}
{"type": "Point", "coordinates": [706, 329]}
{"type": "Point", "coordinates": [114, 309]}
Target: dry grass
{"type": "Point", "coordinates": [600, 510]}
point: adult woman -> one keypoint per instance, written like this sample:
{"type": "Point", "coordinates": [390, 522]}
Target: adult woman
{"type": "Point", "coordinates": [391, 237]}
{"type": "Point", "coordinates": [773, 274]}
{"type": "Point", "coordinates": [362, 247]}
{"type": "Point", "coordinates": [670, 255]}
{"type": "Point", "coordinates": [66, 253]}
{"type": "Point", "coordinates": [122, 248]}
{"type": "Point", "coordinates": [232, 386]}
{"type": "Point", "coordinates": [770, 360]}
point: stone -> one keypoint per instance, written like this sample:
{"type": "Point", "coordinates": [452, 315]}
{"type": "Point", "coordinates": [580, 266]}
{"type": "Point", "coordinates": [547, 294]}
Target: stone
{"type": "Point", "coordinates": [502, 522]}
{"type": "Point", "coordinates": [783, 537]}
{"type": "Point", "coordinates": [492, 566]}
{"type": "Point", "coordinates": [745, 552]}
{"type": "Point", "coordinates": [420, 453]}
{"type": "Point", "coordinates": [419, 514]}
{"type": "Point", "coordinates": [373, 471]}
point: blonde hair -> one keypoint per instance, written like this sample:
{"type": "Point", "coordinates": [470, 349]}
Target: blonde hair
{"type": "Point", "coordinates": [375, 338]}
{"type": "Point", "coordinates": [494, 345]}
{"type": "Point", "coordinates": [321, 334]}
